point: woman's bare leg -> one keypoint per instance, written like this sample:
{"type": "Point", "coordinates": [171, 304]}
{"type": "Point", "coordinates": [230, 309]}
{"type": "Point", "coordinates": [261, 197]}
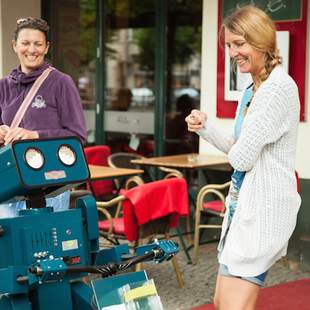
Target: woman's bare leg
{"type": "Point", "coordinates": [217, 292]}
{"type": "Point", "coordinates": [235, 294]}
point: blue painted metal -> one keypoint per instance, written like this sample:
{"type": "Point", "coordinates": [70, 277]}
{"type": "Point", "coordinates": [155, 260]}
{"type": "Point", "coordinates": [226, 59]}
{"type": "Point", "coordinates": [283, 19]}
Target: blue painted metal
{"type": "Point", "coordinates": [83, 297]}
{"type": "Point", "coordinates": [52, 296]}
{"type": "Point", "coordinates": [17, 302]}
{"type": "Point", "coordinates": [168, 249]}
{"type": "Point", "coordinates": [35, 211]}
{"type": "Point", "coordinates": [59, 234]}
{"type": "Point", "coordinates": [90, 215]}
{"type": "Point", "coordinates": [9, 173]}
{"type": "Point", "coordinates": [37, 178]}
{"type": "Point", "coordinates": [42, 251]}
{"type": "Point", "coordinates": [20, 178]}
{"type": "Point", "coordinates": [114, 254]}
{"type": "Point", "coordinates": [8, 274]}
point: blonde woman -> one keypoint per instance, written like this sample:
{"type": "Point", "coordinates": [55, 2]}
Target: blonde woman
{"type": "Point", "coordinates": [263, 202]}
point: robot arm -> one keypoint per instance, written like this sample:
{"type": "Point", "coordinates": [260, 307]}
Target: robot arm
{"type": "Point", "coordinates": [52, 269]}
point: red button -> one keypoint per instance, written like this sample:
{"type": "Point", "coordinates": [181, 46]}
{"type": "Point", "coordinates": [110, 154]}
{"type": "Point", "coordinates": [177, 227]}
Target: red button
{"type": "Point", "coordinates": [75, 260]}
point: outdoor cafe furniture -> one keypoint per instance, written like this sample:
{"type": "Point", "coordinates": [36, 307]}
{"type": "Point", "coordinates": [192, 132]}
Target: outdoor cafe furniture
{"type": "Point", "coordinates": [149, 210]}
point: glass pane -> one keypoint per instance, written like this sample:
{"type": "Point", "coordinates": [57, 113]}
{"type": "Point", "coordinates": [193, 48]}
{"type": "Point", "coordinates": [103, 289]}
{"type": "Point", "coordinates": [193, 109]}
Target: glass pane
{"type": "Point", "coordinates": [74, 46]}
{"type": "Point", "coordinates": [129, 115]}
{"type": "Point", "coordinates": [184, 63]}
{"type": "Point", "coordinates": [130, 65]}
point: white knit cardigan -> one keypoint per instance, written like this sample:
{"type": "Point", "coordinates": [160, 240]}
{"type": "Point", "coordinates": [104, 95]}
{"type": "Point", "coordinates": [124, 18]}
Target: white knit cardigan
{"type": "Point", "coordinates": [268, 201]}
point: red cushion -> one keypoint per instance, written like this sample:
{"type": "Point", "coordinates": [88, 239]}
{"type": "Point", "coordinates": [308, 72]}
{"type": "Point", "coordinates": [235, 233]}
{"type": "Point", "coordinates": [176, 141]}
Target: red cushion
{"type": "Point", "coordinates": [214, 205]}
{"type": "Point", "coordinates": [154, 200]}
{"type": "Point", "coordinates": [118, 226]}
{"type": "Point", "coordinates": [98, 155]}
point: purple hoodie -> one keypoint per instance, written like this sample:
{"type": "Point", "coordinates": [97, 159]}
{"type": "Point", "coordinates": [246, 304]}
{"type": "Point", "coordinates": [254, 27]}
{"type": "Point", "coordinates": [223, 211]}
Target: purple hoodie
{"type": "Point", "coordinates": [55, 111]}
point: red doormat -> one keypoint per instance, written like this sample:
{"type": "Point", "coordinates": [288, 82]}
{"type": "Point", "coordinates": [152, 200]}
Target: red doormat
{"type": "Point", "coordinates": [287, 296]}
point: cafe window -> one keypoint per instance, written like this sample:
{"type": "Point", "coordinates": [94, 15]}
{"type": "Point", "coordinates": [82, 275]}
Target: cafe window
{"type": "Point", "coordinates": [73, 48]}
{"type": "Point", "coordinates": [126, 109]}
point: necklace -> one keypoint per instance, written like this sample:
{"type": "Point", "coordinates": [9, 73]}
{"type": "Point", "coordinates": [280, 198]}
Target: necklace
{"type": "Point", "coordinates": [249, 102]}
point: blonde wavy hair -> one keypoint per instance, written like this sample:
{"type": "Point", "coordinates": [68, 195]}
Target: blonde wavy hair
{"type": "Point", "coordinates": [259, 31]}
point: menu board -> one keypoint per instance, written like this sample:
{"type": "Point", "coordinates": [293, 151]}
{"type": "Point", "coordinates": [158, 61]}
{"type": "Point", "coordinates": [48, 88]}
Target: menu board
{"type": "Point", "coordinates": [278, 10]}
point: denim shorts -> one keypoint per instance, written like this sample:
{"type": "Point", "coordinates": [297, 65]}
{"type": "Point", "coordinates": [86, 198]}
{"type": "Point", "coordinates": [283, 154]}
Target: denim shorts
{"type": "Point", "coordinates": [259, 280]}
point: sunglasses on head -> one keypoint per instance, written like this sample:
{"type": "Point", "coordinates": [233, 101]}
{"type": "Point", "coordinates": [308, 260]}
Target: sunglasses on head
{"type": "Point", "coordinates": [25, 20]}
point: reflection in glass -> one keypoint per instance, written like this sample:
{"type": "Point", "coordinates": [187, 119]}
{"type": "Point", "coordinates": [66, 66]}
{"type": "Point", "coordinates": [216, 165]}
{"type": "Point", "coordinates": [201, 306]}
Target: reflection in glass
{"type": "Point", "coordinates": [130, 61]}
{"type": "Point", "coordinates": [129, 49]}
{"type": "Point", "coordinates": [74, 50]}
{"type": "Point", "coordinates": [130, 74]}
{"type": "Point", "coordinates": [184, 55]}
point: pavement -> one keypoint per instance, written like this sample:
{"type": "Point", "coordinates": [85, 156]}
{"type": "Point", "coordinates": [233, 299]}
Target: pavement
{"type": "Point", "coordinates": [200, 278]}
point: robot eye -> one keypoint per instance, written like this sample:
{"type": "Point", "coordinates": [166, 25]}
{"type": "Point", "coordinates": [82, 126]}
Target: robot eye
{"type": "Point", "coordinates": [66, 155]}
{"type": "Point", "coordinates": [34, 158]}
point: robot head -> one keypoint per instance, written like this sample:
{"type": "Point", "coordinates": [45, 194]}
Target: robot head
{"type": "Point", "coordinates": [49, 166]}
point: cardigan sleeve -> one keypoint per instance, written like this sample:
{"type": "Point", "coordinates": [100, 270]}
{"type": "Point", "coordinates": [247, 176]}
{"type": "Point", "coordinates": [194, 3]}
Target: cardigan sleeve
{"type": "Point", "coordinates": [222, 140]}
{"type": "Point", "coordinates": [268, 119]}
{"type": "Point", "coordinates": [219, 138]}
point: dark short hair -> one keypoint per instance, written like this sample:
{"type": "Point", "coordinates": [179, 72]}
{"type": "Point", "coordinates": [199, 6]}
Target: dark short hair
{"type": "Point", "coordinates": [31, 23]}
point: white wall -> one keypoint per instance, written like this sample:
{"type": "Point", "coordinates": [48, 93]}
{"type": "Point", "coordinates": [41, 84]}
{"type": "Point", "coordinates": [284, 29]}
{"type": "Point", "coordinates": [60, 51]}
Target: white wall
{"type": "Point", "coordinates": [10, 11]}
{"type": "Point", "coordinates": [208, 88]}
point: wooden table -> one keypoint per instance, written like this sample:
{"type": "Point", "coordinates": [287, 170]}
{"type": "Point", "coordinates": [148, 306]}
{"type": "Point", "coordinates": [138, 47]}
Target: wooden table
{"type": "Point", "coordinates": [187, 161]}
{"type": "Point", "coordinates": [104, 173]}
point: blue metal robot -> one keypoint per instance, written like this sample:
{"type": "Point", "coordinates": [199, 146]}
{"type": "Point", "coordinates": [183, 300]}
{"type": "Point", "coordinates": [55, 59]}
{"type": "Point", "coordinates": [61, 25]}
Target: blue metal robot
{"type": "Point", "coordinates": [45, 254]}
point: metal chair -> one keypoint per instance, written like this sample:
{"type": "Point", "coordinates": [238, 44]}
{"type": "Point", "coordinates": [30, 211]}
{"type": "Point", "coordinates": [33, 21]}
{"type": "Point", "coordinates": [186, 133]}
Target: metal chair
{"type": "Point", "coordinates": [111, 224]}
{"type": "Point", "coordinates": [102, 189]}
{"type": "Point", "coordinates": [123, 160]}
{"type": "Point", "coordinates": [144, 218]}
{"type": "Point", "coordinates": [206, 205]}
{"type": "Point", "coordinates": [98, 155]}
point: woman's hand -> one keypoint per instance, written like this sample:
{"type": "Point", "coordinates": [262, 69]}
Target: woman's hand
{"type": "Point", "coordinates": [195, 120]}
{"type": "Point", "coordinates": [19, 134]}
{"type": "Point", "coordinates": [3, 131]}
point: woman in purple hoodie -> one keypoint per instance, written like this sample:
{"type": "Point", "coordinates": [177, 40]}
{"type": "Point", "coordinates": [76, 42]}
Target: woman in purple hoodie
{"type": "Point", "coordinates": [56, 109]}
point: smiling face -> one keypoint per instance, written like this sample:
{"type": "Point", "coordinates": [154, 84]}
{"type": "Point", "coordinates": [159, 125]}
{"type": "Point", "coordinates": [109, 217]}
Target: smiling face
{"type": "Point", "coordinates": [248, 59]}
{"type": "Point", "coordinates": [30, 47]}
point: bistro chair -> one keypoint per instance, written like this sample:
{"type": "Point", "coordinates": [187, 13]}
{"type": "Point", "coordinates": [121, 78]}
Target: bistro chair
{"type": "Point", "coordinates": [148, 210]}
{"type": "Point", "coordinates": [210, 203]}
{"type": "Point", "coordinates": [98, 155]}
{"type": "Point", "coordinates": [111, 226]}
{"type": "Point", "coordinates": [103, 189]}
{"type": "Point", "coordinates": [123, 160]}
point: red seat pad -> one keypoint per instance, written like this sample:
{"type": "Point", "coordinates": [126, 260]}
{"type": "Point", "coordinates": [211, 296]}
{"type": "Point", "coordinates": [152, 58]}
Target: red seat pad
{"type": "Point", "coordinates": [118, 226]}
{"type": "Point", "coordinates": [214, 205]}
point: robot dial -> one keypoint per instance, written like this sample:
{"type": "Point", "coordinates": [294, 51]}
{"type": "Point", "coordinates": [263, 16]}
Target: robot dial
{"type": "Point", "coordinates": [67, 155]}
{"type": "Point", "coordinates": [34, 158]}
